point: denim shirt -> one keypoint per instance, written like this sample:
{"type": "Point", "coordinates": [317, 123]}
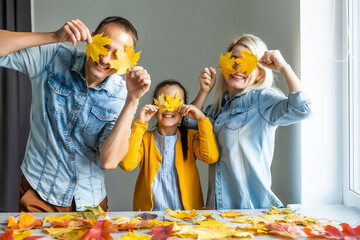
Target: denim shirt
{"type": "Point", "coordinates": [165, 188]}
{"type": "Point", "coordinates": [68, 123]}
{"type": "Point", "coordinates": [245, 133]}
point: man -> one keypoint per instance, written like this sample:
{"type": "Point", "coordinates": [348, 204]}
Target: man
{"type": "Point", "coordinates": [81, 113]}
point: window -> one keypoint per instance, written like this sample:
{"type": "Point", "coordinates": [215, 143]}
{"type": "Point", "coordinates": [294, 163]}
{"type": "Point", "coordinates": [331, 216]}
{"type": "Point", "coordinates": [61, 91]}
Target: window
{"type": "Point", "coordinates": [352, 108]}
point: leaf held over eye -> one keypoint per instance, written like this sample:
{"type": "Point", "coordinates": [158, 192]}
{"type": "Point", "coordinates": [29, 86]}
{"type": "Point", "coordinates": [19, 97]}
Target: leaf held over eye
{"type": "Point", "coordinates": [97, 48]}
{"type": "Point", "coordinates": [226, 64]}
{"type": "Point", "coordinates": [125, 60]}
{"type": "Point", "coordinates": [168, 103]}
{"type": "Point", "coordinates": [248, 62]}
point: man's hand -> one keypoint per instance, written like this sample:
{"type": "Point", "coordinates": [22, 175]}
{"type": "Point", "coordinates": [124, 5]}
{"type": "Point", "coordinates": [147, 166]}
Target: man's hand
{"type": "Point", "coordinates": [73, 31]}
{"type": "Point", "coordinates": [137, 82]}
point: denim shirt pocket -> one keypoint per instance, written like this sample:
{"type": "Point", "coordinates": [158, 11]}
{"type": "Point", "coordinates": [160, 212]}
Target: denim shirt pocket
{"type": "Point", "coordinates": [57, 95]}
{"type": "Point", "coordinates": [237, 118]}
{"type": "Point", "coordinates": [98, 117]}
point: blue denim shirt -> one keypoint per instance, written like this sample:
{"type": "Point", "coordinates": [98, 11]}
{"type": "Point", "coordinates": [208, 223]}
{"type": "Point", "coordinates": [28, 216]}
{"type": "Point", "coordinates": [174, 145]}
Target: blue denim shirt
{"type": "Point", "coordinates": [245, 132]}
{"type": "Point", "coordinates": [68, 123]}
{"type": "Point", "coordinates": [165, 188]}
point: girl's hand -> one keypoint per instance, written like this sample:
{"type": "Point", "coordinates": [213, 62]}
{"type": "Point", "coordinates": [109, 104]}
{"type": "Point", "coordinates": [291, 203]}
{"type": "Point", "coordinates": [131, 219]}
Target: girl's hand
{"type": "Point", "coordinates": [274, 60]}
{"type": "Point", "coordinates": [191, 111]}
{"type": "Point", "coordinates": [207, 79]}
{"type": "Point", "coordinates": [147, 112]}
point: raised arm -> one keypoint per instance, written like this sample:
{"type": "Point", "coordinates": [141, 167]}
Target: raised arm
{"type": "Point", "coordinates": [207, 79]}
{"type": "Point", "coordinates": [72, 31]}
{"type": "Point", "coordinates": [116, 145]}
{"type": "Point", "coordinates": [274, 60]}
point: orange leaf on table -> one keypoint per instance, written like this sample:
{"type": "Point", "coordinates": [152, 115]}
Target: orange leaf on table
{"type": "Point", "coordinates": [97, 47]}
{"type": "Point", "coordinates": [275, 210]}
{"type": "Point", "coordinates": [226, 64]}
{"type": "Point", "coordinates": [26, 221]}
{"type": "Point", "coordinates": [284, 229]}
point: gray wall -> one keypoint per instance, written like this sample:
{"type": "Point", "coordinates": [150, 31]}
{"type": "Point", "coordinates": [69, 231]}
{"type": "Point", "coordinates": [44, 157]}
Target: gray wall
{"type": "Point", "coordinates": [178, 39]}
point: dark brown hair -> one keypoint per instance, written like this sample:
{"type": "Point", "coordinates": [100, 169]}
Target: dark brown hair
{"type": "Point", "coordinates": [126, 24]}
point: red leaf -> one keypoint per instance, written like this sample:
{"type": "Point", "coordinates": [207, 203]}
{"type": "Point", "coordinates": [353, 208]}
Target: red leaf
{"type": "Point", "coordinates": [162, 232]}
{"type": "Point", "coordinates": [100, 231]}
{"type": "Point", "coordinates": [284, 229]}
{"type": "Point", "coordinates": [7, 236]}
{"type": "Point", "coordinates": [333, 231]}
{"type": "Point", "coordinates": [349, 231]}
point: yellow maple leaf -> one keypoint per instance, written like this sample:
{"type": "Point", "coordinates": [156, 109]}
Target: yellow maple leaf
{"type": "Point", "coordinates": [162, 223]}
{"type": "Point", "coordinates": [300, 220]}
{"type": "Point", "coordinates": [171, 104]}
{"type": "Point", "coordinates": [61, 217]}
{"type": "Point", "coordinates": [125, 60]}
{"type": "Point", "coordinates": [226, 64]}
{"type": "Point", "coordinates": [97, 48]}
{"type": "Point", "coordinates": [275, 210]}
{"type": "Point", "coordinates": [182, 214]}
{"type": "Point", "coordinates": [121, 64]}
{"type": "Point", "coordinates": [212, 223]}
{"type": "Point", "coordinates": [248, 62]}
{"type": "Point", "coordinates": [256, 229]}
{"type": "Point", "coordinates": [19, 235]}
{"type": "Point", "coordinates": [134, 236]}
{"type": "Point", "coordinates": [132, 56]}
{"type": "Point", "coordinates": [232, 214]}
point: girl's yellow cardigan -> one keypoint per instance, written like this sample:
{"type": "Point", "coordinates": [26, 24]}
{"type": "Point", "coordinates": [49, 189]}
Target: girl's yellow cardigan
{"type": "Point", "coordinates": [143, 150]}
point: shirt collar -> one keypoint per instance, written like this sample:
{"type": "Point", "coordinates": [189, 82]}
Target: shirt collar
{"type": "Point", "coordinates": [79, 68]}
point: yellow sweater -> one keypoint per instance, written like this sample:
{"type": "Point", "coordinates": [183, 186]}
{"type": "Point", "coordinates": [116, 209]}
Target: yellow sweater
{"type": "Point", "coordinates": [143, 150]}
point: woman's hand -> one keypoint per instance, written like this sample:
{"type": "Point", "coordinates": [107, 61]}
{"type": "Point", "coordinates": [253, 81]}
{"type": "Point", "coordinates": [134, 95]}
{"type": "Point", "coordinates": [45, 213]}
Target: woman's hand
{"type": "Point", "coordinates": [274, 60]}
{"type": "Point", "coordinates": [207, 79]}
{"type": "Point", "coordinates": [191, 111]}
{"type": "Point", "coordinates": [147, 112]}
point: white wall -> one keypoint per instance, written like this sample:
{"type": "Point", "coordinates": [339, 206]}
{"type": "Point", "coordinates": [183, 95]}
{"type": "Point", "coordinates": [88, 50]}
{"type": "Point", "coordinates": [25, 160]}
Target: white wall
{"type": "Point", "coordinates": [322, 73]}
{"type": "Point", "coordinates": [178, 39]}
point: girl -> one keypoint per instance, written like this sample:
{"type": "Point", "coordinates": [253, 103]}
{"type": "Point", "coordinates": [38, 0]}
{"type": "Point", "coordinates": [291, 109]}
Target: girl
{"type": "Point", "coordinates": [246, 113]}
{"type": "Point", "coordinates": [168, 176]}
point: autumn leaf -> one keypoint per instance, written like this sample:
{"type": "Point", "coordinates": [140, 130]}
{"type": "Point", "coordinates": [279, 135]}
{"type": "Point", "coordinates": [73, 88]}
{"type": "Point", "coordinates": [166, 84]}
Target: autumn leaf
{"type": "Point", "coordinates": [125, 60]}
{"type": "Point", "coordinates": [135, 226]}
{"type": "Point", "coordinates": [275, 210]}
{"type": "Point", "coordinates": [248, 62]}
{"type": "Point", "coordinates": [177, 215]}
{"type": "Point", "coordinates": [19, 235]}
{"type": "Point", "coordinates": [132, 56]}
{"type": "Point", "coordinates": [311, 233]}
{"type": "Point", "coordinates": [146, 216]}
{"type": "Point", "coordinates": [226, 64]}
{"type": "Point", "coordinates": [300, 220]}
{"type": "Point", "coordinates": [131, 236]}
{"type": "Point", "coordinates": [162, 232]}
{"type": "Point", "coordinates": [168, 103]}
{"type": "Point", "coordinates": [121, 64]}
{"type": "Point", "coordinates": [161, 223]}
{"type": "Point", "coordinates": [256, 229]}
{"type": "Point", "coordinates": [221, 233]}
{"type": "Point", "coordinates": [60, 217]}
{"type": "Point", "coordinates": [97, 48]}
{"type": "Point", "coordinates": [232, 214]}
{"type": "Point", "coordinates": [66, 233]}
{"type": "Point", "coordinates": [101, 230]}
{"type": "Point", "coordinates": [349, 231]}
{"type": "Point", "coordinates": [211, 223]}
{"type": "Point", "coordinates": [26, 221]}
{"type": "Point", "coordinates": [284, 229]}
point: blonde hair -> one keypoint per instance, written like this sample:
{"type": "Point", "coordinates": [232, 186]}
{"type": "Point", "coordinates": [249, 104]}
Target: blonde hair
{"type": "Point", "coordinates": [256, 46]}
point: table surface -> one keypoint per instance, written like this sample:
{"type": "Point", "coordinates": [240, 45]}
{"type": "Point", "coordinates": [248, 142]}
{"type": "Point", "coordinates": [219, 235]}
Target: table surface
{"type": "Point", "coordinates": [336, 213]}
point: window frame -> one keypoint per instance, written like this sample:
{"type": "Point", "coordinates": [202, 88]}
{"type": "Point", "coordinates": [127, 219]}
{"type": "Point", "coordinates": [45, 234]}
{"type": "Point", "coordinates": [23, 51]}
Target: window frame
{"type": "Point", "coordinates": [351, 189]}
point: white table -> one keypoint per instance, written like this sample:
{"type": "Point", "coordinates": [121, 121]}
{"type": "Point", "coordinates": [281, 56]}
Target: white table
{"type": "Point", "coordinates": [336, 213]}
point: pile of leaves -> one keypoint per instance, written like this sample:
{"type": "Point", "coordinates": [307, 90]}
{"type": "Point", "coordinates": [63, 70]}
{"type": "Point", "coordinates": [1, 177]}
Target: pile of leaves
{"type": "Point", "coordinates": [95, 224]}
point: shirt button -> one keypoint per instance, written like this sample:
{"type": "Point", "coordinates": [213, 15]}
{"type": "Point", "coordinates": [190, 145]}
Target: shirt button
{"type": "Point", "coordinates": [57, 90]}
{"type": "Point", "coordinates": [77, 107]}
{"type": "Point", "coordinates": [85, 91]}
{"type": "Point", "coordinates": [68, 140]}
{"type": "Point", "coordinates": [69, 123]}
{"type": "Point", "coordinates": [219, 193]}
{"type": "Point", "coordinates": [72, 158]}
{"type": "Point", "coordinates": [102, 116]}
{"type": "Point", "coordinates": [74, 180]}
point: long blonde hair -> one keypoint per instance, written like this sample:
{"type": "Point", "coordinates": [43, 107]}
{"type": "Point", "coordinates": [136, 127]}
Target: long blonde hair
{"type": "Point", "coordinates": [256, 46]}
